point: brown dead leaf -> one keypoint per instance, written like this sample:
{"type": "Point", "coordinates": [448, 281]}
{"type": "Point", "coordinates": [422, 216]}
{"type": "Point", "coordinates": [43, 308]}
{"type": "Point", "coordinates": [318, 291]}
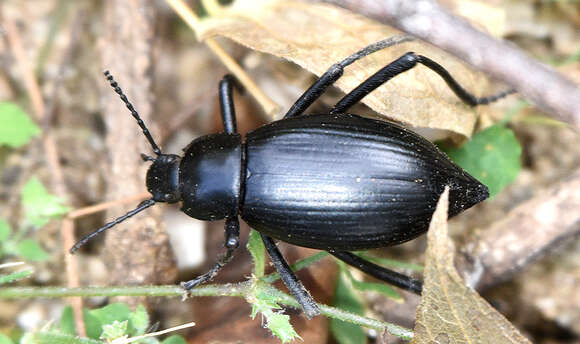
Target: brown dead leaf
{"type": "Point", "coordinates": [449, 311]}
{"type": "Point", "coordinates": [315, 36]}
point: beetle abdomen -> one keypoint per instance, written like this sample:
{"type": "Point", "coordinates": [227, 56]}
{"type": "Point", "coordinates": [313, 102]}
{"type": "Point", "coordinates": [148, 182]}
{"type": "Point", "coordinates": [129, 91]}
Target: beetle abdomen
{"type": "Point", "coordinates": [344, 182]}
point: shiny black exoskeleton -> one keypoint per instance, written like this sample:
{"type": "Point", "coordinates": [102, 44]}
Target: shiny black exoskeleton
{"type": "Point", "coordinates": [336, 182]}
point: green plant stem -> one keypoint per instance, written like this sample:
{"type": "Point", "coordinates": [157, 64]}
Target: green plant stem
{"type": "Point", "coordinates": [241, 289]}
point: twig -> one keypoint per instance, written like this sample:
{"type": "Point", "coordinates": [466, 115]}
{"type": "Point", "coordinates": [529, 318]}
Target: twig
{"type": "Point", "coordinates": [525, 234]}
{"type": "Point", "coordinates": [270, 107]}
{"type": "Point", "coordinates": [107, 205]}
{"type": "Point", "coordinates": [427, 20]}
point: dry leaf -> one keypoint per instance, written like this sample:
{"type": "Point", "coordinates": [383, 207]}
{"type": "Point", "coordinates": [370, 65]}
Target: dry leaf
{"type": "Point", "coordinates": [315, 36]}
{"type": "Point", "coordinates": [449, 311]}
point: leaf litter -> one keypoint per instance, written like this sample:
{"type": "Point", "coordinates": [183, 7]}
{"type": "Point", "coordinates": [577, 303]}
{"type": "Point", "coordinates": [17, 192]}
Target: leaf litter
{"type": "Point", "coordinates": [314, 36]}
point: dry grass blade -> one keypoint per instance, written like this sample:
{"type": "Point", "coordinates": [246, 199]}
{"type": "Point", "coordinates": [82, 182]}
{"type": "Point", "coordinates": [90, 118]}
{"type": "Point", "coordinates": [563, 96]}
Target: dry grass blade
{"type": "Point", "coordinates": [315, 36]}
{"type": "Point", "coordinates": [449, 311]}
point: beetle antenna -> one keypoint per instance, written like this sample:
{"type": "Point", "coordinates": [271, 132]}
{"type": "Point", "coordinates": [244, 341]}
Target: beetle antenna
{"type": "Point", "coordinates": [134, 113]}
{"type": "Point", "coordinates": [142, 206]}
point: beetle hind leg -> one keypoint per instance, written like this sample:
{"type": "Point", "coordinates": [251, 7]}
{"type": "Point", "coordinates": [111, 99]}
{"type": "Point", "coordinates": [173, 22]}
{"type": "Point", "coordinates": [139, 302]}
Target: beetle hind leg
{"type": "Point", "coordinates": [403, 64]}
{"type": "Point", "coordinates": [232, 241]}
{"type": "Point", "coordinates": [290, 280]}
{"type": "Point", "coordinates": [392, 277]}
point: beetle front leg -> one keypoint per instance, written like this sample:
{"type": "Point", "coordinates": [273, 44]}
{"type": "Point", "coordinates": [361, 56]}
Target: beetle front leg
{"type": "Point", "coordinates": [232, 241]}
{"type": "Point", "coordinates": [384, 274]}
{"type": "Point", "coordinates": [290, 280]}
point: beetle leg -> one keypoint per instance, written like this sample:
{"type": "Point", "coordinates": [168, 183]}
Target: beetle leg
{"type": "Point", "coordinates": [290, 280]}
{"type": "Point", "coordinates": [228, 110]}
{"type": "Point", "coordinates": [384, 274]}
{"type": "Point", "coordinates": [232, 241]}
{"type": "Point", "coordinates": [401, 65]}
{"type": "Point", "coordinates": [335, 72]}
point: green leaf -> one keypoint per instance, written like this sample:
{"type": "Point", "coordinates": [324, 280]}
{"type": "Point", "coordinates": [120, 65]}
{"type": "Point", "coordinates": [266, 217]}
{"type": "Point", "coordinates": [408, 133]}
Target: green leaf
{"type": "Point", "coordinates": [492, 156]}
{"type": "Point", "coordinates": [5, 230]}
{"type": "Point", "coordinates": [93, 325]}
{"type": "Point", "coordinates": [111, 313]}
{"type": "Point", "coordinates": [115, 330]}
{"type": "Point", "coordinates": [344, 298]}
{"type": "Point", "coordinates": [52, 337]}
{"type": "Point", "coordinates": [139, 320]}
{"type": "Point", "coordinates": [382, 288]}
{"type": "Point", "coordinates": [15, 276]}
{"type": "Point", "coordinates": [280, 326]}
{"type": "Point", "coordinates": [39, 205]}
{"type": "Point", "coordinates": [5, 339]}
{"type": "Point", "coordinates": [256, 248]}
{"type": "Point", "coordinates": [67, 321]}
{"type": "Point", "coordinates": [175, 339]}
{"type": "Point", "coordinates": [265, 303]}
{"type": "Point", "coordinates": [16, 127]}
{"type": "Point", "coordinates": [31, 250]}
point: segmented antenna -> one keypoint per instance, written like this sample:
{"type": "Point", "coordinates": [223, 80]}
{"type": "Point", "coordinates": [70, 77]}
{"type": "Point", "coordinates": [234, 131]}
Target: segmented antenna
{"type": "Point", "coordinates": [142, 206]}
{"type": "Point", "coordinates": [134, 113]}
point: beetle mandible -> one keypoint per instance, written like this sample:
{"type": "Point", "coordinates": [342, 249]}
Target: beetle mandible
{"type": "Point", "coordinates": [336, 182]}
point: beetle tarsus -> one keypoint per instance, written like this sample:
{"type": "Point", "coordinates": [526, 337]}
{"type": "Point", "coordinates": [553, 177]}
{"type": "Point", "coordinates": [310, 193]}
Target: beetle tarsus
{"type": "Point", "coordinates": [232, 229]}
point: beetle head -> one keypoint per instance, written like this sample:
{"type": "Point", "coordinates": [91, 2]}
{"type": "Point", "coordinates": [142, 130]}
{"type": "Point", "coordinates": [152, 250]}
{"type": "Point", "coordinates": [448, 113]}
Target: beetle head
{"type": "Point", "coordinates": [163, 178]}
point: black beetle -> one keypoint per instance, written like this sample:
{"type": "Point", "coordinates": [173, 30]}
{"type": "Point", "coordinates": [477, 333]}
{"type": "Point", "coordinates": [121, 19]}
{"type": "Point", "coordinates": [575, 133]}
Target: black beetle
{"type": "Point", "coordinates": [336, 182]}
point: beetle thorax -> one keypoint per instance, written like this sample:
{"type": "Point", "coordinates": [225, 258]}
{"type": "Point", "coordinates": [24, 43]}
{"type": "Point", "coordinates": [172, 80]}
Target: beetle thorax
{"type": "Point", "coordinates": [210, 177]}
{"type": "Point", "coordinates": [163, 178]}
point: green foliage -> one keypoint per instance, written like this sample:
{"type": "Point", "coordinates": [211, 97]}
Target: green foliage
{"type": "Point", "coordinates": [175, 339]}
{"type": "Point", "coordinates": [257, 249]}
{"type": "Point", "coordinates": [11, 243]}
{"type": "Point", "coordinates": [52, 337]}
{"type": "Point", "coordinates": [263, 302]}
{"type": "Point", "coordinates": [111, 322]}
{"type": "Point", "coordinates": [117, 329]}
{"type": "Point", "coordinates": [139, 319]}
{"type": "Point", "coordinates": [5, 230]}
{"type": "Point", "coordinates": [39, 208]}
{"type": "Point", "coordinates": [31, 250]}
{"type": "Point", "coordinates": [16, 128]}
{"type": "Point", "coordinates": [15, 276]}
{"type": "Point", "coordinates": [5, 339]}
{"type": "Point", "coordinates": [345, 298]}
{"type": "Point", "coordinates": [39, 205]}
{"type": "Point", "coordinates": [492, 156]}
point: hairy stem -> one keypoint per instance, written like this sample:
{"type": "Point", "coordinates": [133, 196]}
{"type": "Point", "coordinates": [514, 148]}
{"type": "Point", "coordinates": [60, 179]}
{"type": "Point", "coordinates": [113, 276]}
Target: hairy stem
{"type": "Point", "coordinates": [241, 289]}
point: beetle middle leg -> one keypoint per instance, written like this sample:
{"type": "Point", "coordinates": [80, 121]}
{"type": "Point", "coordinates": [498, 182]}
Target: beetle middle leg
{"type": "Point", "coordinates": [228, 110]}
{"type": "Point", "coordinates": [232, 241]}
{"type": "Point", "coordinates": [290, 280]}
{"type": "Point", "coordinates": [384, 274]}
